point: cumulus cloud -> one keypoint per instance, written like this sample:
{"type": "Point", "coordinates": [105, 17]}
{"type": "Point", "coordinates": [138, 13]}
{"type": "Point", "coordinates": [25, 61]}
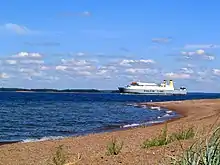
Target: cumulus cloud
{"type": "Point", "coordinates": [25, 58]}
{"type": "Point", "coordinates": [24, 65]}
{"type": "Point", "coordinates": [126, 62]}
{"type": "Point", "coordinates": [4, 76]}
{"type": "Point", "coordinates": [187, 70]}
{"type": "Point", "coordinates": [94, 69]}
{"type": "Point", "coordinates": [17, 29]}
{"type": "Point", "coordinates": [75, 62]}
{"type": "Point", "coordinates": [44, 67]}
{"type": "Point", "coordinates": [80, 54]}
{"type": "Point", "coordinates": [197, 53]}
{"type": "Point", "coordinates": [195, 74]}
{"type": "Point", "coordinates": [28, 55]}
{"type": "Point", "coordinates": [216, 72]}
{"type": "Point", "coordinates": [140, 71]}
{"type": "Point", "coordinates": [31, 61]}
{"type": "Point", "coordinates": [60, 67]}
{"type": "Point", "coordinates": [77, 67]}
{"type": "Point", "coordinates": [33, 67]}
{"type": "Point", "coordinates": [11, 62]}
{"type": "Point", "coordinates": [177, 75]}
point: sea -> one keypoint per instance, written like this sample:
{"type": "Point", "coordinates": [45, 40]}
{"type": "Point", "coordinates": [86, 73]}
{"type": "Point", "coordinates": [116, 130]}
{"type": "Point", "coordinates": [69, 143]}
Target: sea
{"type": "Point", "coordinates": [28, 117]}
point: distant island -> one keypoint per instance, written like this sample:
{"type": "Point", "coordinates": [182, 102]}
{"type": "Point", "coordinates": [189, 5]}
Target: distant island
{"type": "Point", "coordinates": [58, 90]}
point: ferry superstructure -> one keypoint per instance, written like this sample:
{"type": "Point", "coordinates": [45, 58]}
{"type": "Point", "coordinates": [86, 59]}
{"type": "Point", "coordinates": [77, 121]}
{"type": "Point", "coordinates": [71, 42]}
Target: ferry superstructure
{"type": "Point", "coordinates": [153, 88]}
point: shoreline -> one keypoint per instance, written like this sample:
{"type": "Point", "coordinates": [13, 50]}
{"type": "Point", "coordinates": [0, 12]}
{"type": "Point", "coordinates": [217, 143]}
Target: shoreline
{"type": "Point", "coordinates": [200, 113]}
{"type": "Point", "coordinates": [106, 130]}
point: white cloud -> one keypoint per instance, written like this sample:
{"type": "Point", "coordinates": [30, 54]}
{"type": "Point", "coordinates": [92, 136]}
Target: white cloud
{"type": "Point", "coordinates": [210, 57]}
{"type": "Point", "coordinates": [74, 62]}
{"type": "Point", "coordinates": [200, 52]}
{"type": "Point", "coordinates": [21, 54]}
{"type": "Point", "coordinates": [44, 68]}
{"type": "Point", "coordinates": [11, 62]}
{"type": "Point", "coordinates": [24, 65]}
{"type": "Point", "coordinates": [26, 70]}
{"type": "Point", "coordinates": [140, 71]}
{"type": "Point", "coordinates": [60, 67]}
{"type": "Point", "coordinates": [216, 72]}
{"type": "Point", "coordinates": [28, 55]}
{"type": "Point", "coordinates": [187, 70]}
{"type": "Point", "coordinates": [197, 53]}
{"type": "Point", "coordinates": [31, 61]}
{"type": "Point", "coordinates": [26, 58]}
{"type": "Point", "coordinates": [18, 29]}
{"type": "Point", "coordinates": [177, 75]}
{"type": "Point", "coordinates": [35, 55]}
{"type": "Point", "coordinates": [86, 13]}
{"type": "Point", "coordinates": [78, 67]}
{"type": "Point", "coordinates": [32, 66]}
{"type": "Point", "coordinates": [80, 54]}
{"type": "Point", "coordinates": [102, 72]}
{"type": "Point", "coordinates": [126, 62]}
{"type": "Point", "coordinates": [94, 69]}
{"type": "Point", "coordinates": [4, 75]}
{"type": "Point", "coordinates": [84, 73]}
{"type": "Point", "coordinates": [191, 65]}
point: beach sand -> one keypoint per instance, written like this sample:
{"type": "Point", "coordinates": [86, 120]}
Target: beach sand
{"type": "Point", "coordinates": [202, 114]}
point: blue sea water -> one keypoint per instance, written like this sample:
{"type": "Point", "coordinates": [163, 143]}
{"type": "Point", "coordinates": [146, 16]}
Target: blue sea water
{"type": "Point", "coordinates": [40, 116]}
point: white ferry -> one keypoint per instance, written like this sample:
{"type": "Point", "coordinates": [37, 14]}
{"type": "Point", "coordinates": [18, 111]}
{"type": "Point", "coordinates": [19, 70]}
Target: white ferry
{"type": "Point", "coordinates": [153, 88]}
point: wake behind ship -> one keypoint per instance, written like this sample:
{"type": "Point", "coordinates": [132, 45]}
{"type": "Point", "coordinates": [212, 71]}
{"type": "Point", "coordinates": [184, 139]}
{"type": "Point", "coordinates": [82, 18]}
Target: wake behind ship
{"type": "Point", "coordinates": [153, 88]}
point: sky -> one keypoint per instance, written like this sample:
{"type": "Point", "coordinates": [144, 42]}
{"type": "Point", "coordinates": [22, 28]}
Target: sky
{"type": "Point", "coordinates": [107, 44]}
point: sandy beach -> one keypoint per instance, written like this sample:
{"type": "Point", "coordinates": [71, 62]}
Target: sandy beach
{"type": "Point", "coordinates": [202, 114]}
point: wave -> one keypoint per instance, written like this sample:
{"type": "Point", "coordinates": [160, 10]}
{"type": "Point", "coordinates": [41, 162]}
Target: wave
{"type": "Point", "coordinates": [169, 115]}
{"type": "Point", "coordinates": [160, 119]}
{"type": "Point", "coordinates": [43, 139]}
{"type": "Point", "coordinates": [145, 106]}
{"type": "Point", "coordinates": [103, 130]}
{"type": "Point", "coordinates": [143, 124]}
{"type": "Point", "coordinates": [130, 125]}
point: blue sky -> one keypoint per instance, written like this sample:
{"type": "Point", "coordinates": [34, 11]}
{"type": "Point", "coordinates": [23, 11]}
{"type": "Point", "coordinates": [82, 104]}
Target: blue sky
{"type": "Point", "coordinates": [106, 44]}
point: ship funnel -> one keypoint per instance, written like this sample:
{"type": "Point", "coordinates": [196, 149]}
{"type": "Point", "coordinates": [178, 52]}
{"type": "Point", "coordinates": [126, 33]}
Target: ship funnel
{"type": "Point", "coordinates": [165, 82]}
{"type": "Point", "coordinates": [171, 83]}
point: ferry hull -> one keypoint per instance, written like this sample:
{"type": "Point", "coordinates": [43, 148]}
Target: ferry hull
{"type": "Point", "coordinates": [146, 92]}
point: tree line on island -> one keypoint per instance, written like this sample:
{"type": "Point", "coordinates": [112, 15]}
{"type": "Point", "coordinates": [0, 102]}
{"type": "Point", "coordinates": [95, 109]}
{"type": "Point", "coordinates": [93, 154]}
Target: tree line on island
{"type": "Point", "coordinates": [57, 90]}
